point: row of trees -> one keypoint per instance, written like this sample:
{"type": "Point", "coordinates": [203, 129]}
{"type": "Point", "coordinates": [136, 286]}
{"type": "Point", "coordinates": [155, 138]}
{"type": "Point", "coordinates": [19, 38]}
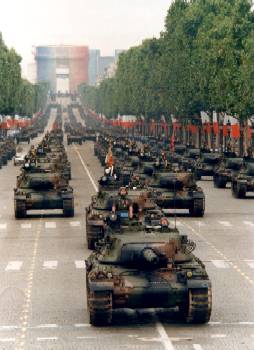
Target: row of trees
{"type": "Point", "coordinates": [204, 60]}
{"type": "Point", "coordinates": [17, 95]}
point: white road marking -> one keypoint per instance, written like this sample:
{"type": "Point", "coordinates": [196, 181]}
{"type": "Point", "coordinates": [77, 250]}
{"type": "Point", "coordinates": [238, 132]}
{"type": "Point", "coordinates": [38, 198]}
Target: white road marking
{"type": "Point", "coordinates": [246, 323]}
{"type": "Point", "coordinates": [81, 325]}
{"type": "Point", "coordinates": [47, 325]}
{"type": "Point", "coordinates": [75, 223]}
{"type": "Point", "coordinates": [3, 226]}
{"type": "Point", "coordinates": [26, 226]}
{"type": "Point", "coordinates": [213, 323]}
{"type": "Point", "coordinates": [87, 171]}
{"type": "Point", "coordinates": [218, 336]}
{"type": "Point", "coordinates": [80, 264]}
{"type": "Point", "coordinates": [197, 347]}
{"type": "Point", "coordinates": [46, 338]}
{"type": "Point", "coordinates": [88, 337]}
{"type": "Point", "coordinates": [8, 328]}
{"type": "Point", "coordinates": [164, 337]}
{"type": "Point", "coordinates": [50, 264]}
{"type": "Point", "coordinates": [7, 340]}
{"type": "Point", "coordinates": [14, 266]}
{"type": "Point", "coordinates": [50, 224]}
{"type": "Point", "coordinates": [250, 263]}
{"type": "Point", "coordinates": [225, 223]}
{"type": "Point", "coordinates": [249, 223]}
{"type": "Point", "coordinates": [221, 264]}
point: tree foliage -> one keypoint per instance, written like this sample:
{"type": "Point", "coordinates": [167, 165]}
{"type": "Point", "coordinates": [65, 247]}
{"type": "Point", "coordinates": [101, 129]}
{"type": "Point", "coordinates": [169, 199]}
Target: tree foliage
{"type": "Point", "coordinates": [203, 60]}
{"type": "Point", "coordinates": [17, 95]}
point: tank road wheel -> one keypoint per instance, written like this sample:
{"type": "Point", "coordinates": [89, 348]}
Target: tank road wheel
{"type": "Point", "coordinates": [68, 207]}
{"type": "Point", "coordinates": [238, 191]}
{"type": "Point", "coordinates": [198, 208]}
{"type": "Point", "coordinates": [100, 308]}
{"type": "Point", "coordinates": [199, 306]}
{"type": "Point", "coordinates": [20, 209]}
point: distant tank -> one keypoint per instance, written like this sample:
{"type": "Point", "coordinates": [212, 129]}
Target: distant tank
{"type": "Point", "coordinates": [23, 136]}
{"type": "Point", "coordinates": [178, 191]}
{"type": "Point", "coordinates": [243, 181]}
{"type": "Point", "coordinates": [40, 189]}
{"type": "Point", "coordinates": [228, 168]}
{"type": "Point", "coordinates": [147, 269]}
{"type": "Point", "coordinates": [115, 209]}
{"type": "Point", "coordinates": [206, 165]}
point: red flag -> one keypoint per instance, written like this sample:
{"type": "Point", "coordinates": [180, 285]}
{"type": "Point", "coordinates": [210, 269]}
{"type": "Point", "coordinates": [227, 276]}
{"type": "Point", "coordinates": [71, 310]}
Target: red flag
{"type": "Point", "coordinates": [172, 143]}
{"type": "Point", "coordinates": [215, 124]}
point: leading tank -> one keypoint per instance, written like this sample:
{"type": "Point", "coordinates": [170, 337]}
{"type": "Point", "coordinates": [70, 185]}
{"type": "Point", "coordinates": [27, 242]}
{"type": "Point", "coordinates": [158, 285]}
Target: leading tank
{"type": "Point", "coordinates": [147, 269]}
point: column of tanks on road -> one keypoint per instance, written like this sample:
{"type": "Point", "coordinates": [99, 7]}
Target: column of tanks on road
{"type": "Point", "coordinates": [43, 182]}
{"type": "Point", "coordinates": [139, 257]}
{"type": "Point", "coordinates": [8, 149]}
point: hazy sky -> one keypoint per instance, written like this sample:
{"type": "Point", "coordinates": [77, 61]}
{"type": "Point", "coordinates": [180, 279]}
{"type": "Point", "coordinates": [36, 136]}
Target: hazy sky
{"type": "Point", "coordinates": [103, 24]}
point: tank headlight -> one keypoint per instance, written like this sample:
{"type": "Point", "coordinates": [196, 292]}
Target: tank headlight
{"type": "Point", "coordinates": [189, 274]}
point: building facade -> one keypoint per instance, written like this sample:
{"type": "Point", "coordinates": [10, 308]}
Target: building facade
{"type": "Point", "coordinates": [64, 67]}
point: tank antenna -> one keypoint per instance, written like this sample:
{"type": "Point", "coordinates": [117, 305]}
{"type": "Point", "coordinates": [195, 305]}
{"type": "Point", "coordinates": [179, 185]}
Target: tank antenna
{"type": "Point", "coordinates": [175, 201]}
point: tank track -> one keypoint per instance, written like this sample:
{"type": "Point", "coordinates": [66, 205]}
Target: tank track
{"type": "Point", "coordinates": [20, 209]}
{"type": "Point", "coordinates": [197, 210]}
{"type": "Point", "coordinates": [68, 207]}
{"type": "Point", "coordinates": [100, 308]}
{"type": "Point", "coordinates": [200, 306]}
{"type": "Point", "coordinates": [238, 191]}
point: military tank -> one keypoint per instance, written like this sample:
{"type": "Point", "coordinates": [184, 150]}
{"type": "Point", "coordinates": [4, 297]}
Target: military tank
{"type": "Point", "coordinates": [206, 165]}
{"type": "Point", "coordinates": [227, 169]}
{"type": "Point", "coordinates": [188, 161]}
{"type": "Point", "coordinates": [115, 209]}
{"type": "Point", "coordinates": [23, 136]}
{"type": "Point", "coordinates": [39, 189]}
{"type": "Point", "coordinates": [74, 137]}
{"type": "Point", "coordinates": [178, 191]}
{"type": "Point", "coordinates": [147, 269]}
{"type": "Point", "coordinates": [243, 181]}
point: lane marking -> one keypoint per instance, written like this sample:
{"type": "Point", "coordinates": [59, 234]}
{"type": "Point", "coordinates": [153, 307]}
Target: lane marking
{"type": "Point", "coordinates": [75, 223]}
{"type": "Point", "coordinates": [197, 347]}
{"type": "Point", "coordinates": [7, 340]}
{"type": "Point", "coordinates": [250, 263]}
{"type": "Point", "coordinates": [46, 338]}
{"type": "Point", "coordinates": [218, 336]}
{"type": "Point", "coordinates": [26, 226]}
{"type": "Point", "coordinates": [3, 226]}
{"type": "Point", "coordinates": [14, 265]}
{"type": "Point", "coordinates": [221, 264]}
{"type": "Point", "coordinates": [47, 325]}
{"type": "Point", "coordinates": [246, 323]}
{"type": "Point", "coordinates": [86, 170]}
{"type": "Point", "coordinates": [80, 264]}
{"type": "Point", "coordinates": [249, 223]}
{"type": "Point", "coordinates": [81, 325]}
{"type": "Point", "coordinates": [50, 264]}
{"type": "Point", "coordinates": [225, 223]}
{"type": "Point", "coordinates": [164, 338]}
{"type": "Point", "coordinates": [88, 337]}
{"type": "Point", "coordinates": [211, 245]}
{"type": "Point", "coordinates": [50, 224]}
{"type": "Point", "coordinates": [8, 328]}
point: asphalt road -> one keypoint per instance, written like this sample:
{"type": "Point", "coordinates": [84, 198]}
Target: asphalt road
{"type": "Point", "coordinates": [42, 273]}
